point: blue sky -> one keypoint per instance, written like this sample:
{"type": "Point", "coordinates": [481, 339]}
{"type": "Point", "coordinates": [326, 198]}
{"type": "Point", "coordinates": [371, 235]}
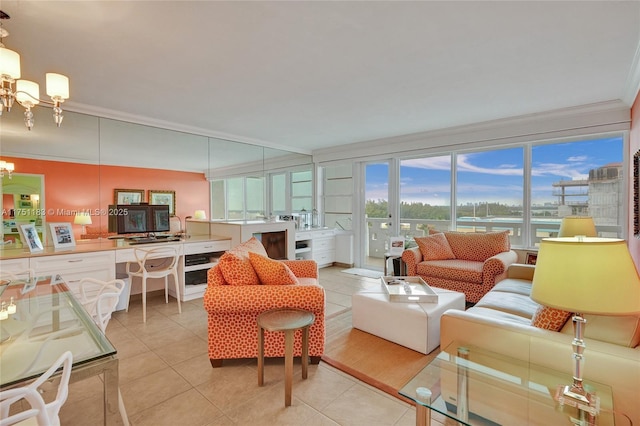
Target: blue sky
{"type": "Point", "coordinates": [496, 176]}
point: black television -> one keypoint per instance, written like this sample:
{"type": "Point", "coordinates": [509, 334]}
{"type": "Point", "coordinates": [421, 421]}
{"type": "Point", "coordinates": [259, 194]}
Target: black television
{"type": "Point", "coordinates": [138, 218]}
{"type": "Point", "coordinates": [158, 218]}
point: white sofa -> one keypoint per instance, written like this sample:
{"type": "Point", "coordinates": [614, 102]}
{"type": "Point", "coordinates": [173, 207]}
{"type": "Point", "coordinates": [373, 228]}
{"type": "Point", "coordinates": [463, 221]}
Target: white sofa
{"type": "Point", "coordinates": [501, 322]}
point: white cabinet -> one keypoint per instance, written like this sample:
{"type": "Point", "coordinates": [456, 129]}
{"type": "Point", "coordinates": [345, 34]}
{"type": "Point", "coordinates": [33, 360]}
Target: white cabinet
{"type": "Point", "coordinates": [73, 267]}
{"type": "Point", "coordinates": [303, 245]}
{"type": "Point", "coordinates": [319, 245]}
{"type": "Point", "coordinates": [14, 266]}
{"type": "Point", "coordinates": [198, 259]}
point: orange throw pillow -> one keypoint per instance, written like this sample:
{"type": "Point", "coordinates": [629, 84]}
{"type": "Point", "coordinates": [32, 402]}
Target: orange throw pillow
{"type": "Point", "coordinates": [235, 265]}
{"type": "Point", "coordinates": [237, 270]}
{"type": "Point", "coordinates": [435, 247]}
{"type": "Point", "coordinates": [550, 318]}
{"type": "Point", "coordinates": [270, 271]}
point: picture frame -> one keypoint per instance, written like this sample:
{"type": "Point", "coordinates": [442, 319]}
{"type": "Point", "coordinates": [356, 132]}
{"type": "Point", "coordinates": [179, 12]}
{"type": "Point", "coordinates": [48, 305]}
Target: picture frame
{"type": "Point", "coordinates": [30, 236]}
{"type": "Point", "coordinates": [396, 245]}
{"type": "Point", "coordinates": [62, 235]}
{"type": "Point", "coordinates": [636, 194]}
{"type": "Point", "coordinates": [128, 196]}
{"type": "Point", "coordinates": [532, 258]}
{"type": "Point", "coordinates": [163, 198]}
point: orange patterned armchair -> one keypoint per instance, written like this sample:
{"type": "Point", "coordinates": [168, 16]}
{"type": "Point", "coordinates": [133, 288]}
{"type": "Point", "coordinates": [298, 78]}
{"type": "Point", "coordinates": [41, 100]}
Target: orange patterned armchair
{"type": "Point", "coordinates": [233, 308]}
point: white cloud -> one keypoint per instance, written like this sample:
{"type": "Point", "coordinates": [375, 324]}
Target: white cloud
{"type": "Point", "coordinates": [570, 171]}
{"type": "Point", "coordinates": [464, 165]}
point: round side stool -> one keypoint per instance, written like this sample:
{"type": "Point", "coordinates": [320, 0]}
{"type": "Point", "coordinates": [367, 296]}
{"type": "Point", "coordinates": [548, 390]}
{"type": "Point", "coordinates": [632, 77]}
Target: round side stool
{"type": "Point", "coordinates": [287, 320]}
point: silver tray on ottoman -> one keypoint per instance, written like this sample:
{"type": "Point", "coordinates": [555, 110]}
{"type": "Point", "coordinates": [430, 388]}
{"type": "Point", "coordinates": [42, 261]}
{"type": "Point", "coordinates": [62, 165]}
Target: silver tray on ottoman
{"type": "Point", "coordinates": [408, 289]}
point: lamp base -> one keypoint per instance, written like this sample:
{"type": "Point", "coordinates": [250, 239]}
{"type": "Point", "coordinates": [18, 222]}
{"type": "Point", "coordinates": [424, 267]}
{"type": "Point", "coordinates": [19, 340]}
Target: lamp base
{"type": "Point", "coordinates": [578, 398]}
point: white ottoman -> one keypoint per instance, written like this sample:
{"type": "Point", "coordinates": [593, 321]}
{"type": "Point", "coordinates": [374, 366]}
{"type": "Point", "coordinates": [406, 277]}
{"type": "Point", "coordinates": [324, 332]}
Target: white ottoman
{"type": "Point", "coordinates": [414, 325]}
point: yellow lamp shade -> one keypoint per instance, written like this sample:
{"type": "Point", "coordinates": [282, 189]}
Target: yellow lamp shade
{"type": "Point", "coordinates": [586, 275]}
{"type": "Point", "coordinates": [57, 85]}
{"type": "Point", "coordinates": [9, 63]}
{"type": "Point", "coordinates": [577, 225]}
{"type": "Point", "coordinates": [200, 214]}
{"type": "Point", "coordinates": [82, 218]}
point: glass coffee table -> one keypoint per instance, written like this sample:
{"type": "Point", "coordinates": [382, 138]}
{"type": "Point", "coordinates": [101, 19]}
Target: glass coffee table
{"type": "Point", "coordinates": [476, 387]}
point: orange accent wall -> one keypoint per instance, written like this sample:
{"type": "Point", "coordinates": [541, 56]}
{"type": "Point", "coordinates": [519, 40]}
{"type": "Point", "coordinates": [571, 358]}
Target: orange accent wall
{"type": "Point", "coordinates": [70, 187]}
{"type": "Point", "coordinates": [634, 146]}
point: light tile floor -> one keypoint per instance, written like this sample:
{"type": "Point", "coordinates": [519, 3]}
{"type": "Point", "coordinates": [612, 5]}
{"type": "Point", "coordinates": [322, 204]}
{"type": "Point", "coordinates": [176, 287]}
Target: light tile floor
{"type": "Point", "coordinates": [166, 378]}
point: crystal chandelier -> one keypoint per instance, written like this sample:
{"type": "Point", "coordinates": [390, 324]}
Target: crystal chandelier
{"type": "Point", "coordinates": [7, 168]}
{"type": "Point", "coordinates": [26, 92]}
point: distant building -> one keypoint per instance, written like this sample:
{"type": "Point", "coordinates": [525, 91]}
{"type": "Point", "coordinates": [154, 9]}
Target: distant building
{"type": "Point", "coordinates": [601, 196]}
{"type": "Point", "coordinates": [606, 196]}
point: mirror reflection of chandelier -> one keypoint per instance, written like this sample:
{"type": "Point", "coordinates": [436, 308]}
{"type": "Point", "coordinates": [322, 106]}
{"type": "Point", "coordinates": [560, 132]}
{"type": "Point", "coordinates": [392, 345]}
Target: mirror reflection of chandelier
{"type": "Point", "coordinates": [6, 167]}
{"type": "Point", "coordinates": [26, 92]}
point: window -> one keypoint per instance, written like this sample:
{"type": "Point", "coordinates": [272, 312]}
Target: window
{"type": "Point", "coordinates": [229, 201]}
{"type": "Point", "coordinates": [254, 203]}
{"type": "Point", "coordinates": [246, 197]}
{"type": "Point", "coordinates": [425, 195]}
{"type": "Point", "coordinates": [278, 194]}
{"type": "Point", "coordinates": [577, 178]}
{"type": "Point", "coordinates": [235, 198]}
{"type": "Point", "coordinates": [219, 205]}
{"type": "Point", "coordinates": [302, 191]}
{"type": "Point", "coordinates": [501, 189]}
{"type": "Point", "coordinates": [490, 191]}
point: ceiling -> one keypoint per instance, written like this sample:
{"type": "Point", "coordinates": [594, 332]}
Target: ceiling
{"type": "Point", "coordinates": [310, 75]}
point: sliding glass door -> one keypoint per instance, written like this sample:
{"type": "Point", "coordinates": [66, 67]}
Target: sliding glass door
{"type": "Point", "coordinates": [377, 224]}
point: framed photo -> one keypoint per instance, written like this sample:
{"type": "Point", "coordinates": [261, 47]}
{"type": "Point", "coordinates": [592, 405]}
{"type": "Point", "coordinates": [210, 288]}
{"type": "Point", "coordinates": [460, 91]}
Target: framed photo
{"type": "Point", "coordinates": [396, 245]}
{"type": "Point", "coordinates": [636, 194]}
{"type": "Point", "coordinates": [532, 258]}
{"type": "Point", "coordinates": [165, 198]}
{"type": "Point", "coordinates": [62, 235]}
{"type": "Point", "coordinates": [30, 237]}
{"type": "Point", "coordinates": [128, 196]}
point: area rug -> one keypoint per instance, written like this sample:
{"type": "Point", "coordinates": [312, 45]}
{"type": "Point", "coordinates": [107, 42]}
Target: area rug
{"type": "Point", "coordinates": [363, 272]}
{"type": "Point", "coordinates": [371, 359]}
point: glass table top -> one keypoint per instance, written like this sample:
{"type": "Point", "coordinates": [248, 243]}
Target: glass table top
{"type": "Point", "coordinates": [477, 387]}
{"type": "Point", "coordinates": [43, 320]}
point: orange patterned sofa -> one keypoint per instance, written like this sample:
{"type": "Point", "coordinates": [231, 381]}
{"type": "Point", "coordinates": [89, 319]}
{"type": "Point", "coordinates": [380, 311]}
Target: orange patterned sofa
{"type": "Point", "coordinates": [469, 262]}
{"type": "Point", "coordinates": [233, 300]}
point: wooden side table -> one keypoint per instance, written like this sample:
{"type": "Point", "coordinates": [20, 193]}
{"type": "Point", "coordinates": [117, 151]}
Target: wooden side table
{"type": "Point", "coordinates": [287, 320]}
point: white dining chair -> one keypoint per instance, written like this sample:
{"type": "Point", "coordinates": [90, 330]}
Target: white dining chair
{"type": "Point", "coordinates": [100, 299]}
{"type": "Point", "coordinates": [159, 262]}
{"type": "Point", "coordinates": [44, 414]}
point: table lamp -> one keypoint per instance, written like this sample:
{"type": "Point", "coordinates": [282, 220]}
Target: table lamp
{"type": "Point", "coordinates": [585, 275]}
{"type": "Point", "coordinates": [84, 219]}
{"type": "Point", "coordinates": [577, 225]}
{"type": "Point", "coordinates": [200, 215]}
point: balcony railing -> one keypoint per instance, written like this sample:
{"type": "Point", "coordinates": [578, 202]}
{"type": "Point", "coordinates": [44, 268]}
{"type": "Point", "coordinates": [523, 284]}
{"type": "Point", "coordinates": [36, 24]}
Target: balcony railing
{"type": "Point", "coordinates": [378, 231]}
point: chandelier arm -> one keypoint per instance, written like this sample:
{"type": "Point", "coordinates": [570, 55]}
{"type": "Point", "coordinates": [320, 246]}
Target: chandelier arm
{"type": "Point", "coordinates": [36, 99]}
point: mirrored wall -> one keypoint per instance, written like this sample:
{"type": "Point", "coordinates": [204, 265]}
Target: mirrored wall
{"type": "Point", "coordinates": [85, 164]}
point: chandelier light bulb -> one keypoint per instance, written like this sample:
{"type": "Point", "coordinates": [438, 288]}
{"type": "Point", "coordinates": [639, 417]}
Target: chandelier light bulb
{"type": "Point", "coordinates": [9, 64]}
{"type": "Point", "coordinates": [57, 86]}
{"type": "Point", "coordinates": [27, 93]}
